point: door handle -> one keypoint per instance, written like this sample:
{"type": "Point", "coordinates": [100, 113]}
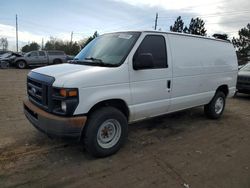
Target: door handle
{"type": "Point", "coordinates": [169, 85]}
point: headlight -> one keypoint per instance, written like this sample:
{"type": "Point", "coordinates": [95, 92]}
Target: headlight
{"type": "Point", "coordinates": [65, 101]}
{"type": "Point", "coordinates": [63, 106]}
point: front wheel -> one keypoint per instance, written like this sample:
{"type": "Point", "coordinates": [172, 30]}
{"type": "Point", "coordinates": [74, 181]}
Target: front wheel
{"type": "Point", "coordinates": [215, 108]}
{"type": "Point", "coordinates": [21, 64]}
{"type": "Point", "coordinates": [106, 132]}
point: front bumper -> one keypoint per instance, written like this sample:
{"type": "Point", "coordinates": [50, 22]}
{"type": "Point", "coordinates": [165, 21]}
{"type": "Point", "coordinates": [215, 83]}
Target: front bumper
{"type": "Point", "coordinates": [54, 125]}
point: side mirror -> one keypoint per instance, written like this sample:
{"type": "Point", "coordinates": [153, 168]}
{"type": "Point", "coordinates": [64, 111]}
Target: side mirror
{"type": "Point", "coordinates": [143, 61]}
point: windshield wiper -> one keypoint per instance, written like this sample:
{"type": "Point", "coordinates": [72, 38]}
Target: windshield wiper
{"type": "Point", "coordinates": [96, 62]}
{"type": "Point", "coordinates": [99, 62]}
{"type": "Point", "coordinates": [93, 59]}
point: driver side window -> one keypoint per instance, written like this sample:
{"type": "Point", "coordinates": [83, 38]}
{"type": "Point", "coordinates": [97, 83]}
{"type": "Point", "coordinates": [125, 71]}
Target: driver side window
{"type": "Point", "coordinates": [33, 54]}
{"type": "Point", "coordinates": [155, 45]}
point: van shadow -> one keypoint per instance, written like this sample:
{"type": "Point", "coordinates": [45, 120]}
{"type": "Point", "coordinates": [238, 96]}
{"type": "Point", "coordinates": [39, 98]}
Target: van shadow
{"type": "Point", "coordinates": [170, 124]}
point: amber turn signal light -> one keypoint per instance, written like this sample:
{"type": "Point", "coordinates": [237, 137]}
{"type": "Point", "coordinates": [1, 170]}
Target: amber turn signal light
{"type": "Point", "coordinates": [68, 93]}
{"type": "Point", "coordinates": [72, 93]}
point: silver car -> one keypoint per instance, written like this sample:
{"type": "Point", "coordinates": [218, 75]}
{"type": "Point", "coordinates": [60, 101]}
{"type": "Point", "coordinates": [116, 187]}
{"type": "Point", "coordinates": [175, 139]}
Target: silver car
{"type": "Point", "coordinates": [39, 58]}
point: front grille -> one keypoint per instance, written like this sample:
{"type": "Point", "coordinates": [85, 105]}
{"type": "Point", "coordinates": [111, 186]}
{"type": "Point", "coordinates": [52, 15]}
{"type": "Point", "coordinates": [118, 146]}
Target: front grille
{"type": "Point", "coordinates": [37, 92]}
{"type": "Point", "coordinates": [39, 89]}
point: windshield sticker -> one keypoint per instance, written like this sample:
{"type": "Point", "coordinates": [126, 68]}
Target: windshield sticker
{"type": "Point", "coordinates": [124, 36]}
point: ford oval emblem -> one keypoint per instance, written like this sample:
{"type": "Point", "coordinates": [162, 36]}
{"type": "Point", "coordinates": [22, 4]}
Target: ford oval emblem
{"type": "Point", "coordinates": [33, 90]}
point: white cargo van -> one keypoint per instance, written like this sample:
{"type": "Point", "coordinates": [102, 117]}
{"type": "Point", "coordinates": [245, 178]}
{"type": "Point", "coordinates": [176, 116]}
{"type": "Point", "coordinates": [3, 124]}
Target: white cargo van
{"type": "Point", "coordinates": [123, 77]}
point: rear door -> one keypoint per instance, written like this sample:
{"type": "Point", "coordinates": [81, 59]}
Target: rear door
{"type": "Point", "coordinates": [151, 88]}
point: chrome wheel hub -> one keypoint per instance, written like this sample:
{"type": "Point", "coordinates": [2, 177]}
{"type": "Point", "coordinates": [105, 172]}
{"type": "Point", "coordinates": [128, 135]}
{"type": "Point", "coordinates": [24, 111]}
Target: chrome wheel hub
{"type": "Point", "coordinates": [109, 133]}
{"type": "Point", "coordinates": [21, 64]}
{"type": "Point", "coordinates": [219, 105]}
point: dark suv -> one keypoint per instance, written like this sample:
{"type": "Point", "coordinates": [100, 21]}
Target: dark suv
{"type": "Point", "coordinates": [243, 82]}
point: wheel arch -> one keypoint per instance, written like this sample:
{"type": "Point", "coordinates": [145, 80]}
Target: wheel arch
{"type": "Point", "coordinates": [223, 88]}
{"type": "Point", "coordinates": [18, 60]}
{"type": "Point", "coordinates": [116, 103]}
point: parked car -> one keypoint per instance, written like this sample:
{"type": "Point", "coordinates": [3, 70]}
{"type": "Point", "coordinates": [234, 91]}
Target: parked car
{"type": "Point", "coordinates": [240, 66]}
{"type": "Point", "coordinates": [243, 81]}
{"type": "Point", "coordinates": [124, 77]}
{"type": "Point", "coordinates": [70, 57]}
{"type": "Point", "coordinates": [7, 59]}
{"type": "Point", "coordinates": [39, 58]}
{"type": "Point", "coordinates": [3, 52]}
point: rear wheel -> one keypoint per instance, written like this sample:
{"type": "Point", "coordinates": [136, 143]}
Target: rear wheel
{"type": "Point", "coordinates": [106, 132]}
{"type": "Point", "coordinates": [57, 61]}
{"type": "Point", "coordinates": [21, 64]}
{"type": "Point", "coordinates": [215, 108]}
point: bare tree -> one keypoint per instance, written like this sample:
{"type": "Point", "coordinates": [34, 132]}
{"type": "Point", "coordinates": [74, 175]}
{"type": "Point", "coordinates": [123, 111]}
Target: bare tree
{"type": "Point", "coordinates": [4, 44]}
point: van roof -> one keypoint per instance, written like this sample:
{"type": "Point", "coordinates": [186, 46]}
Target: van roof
{"type": "Point", "coordinates": [176, 33]}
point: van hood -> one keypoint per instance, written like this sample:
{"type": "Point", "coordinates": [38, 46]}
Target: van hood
{"type": "Point", "coordinates": [59, 70]}
{"type": "Point", "coordinates": [74, 75]}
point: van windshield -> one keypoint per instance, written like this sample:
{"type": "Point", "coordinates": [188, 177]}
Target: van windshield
{"type": "Point", "coordinates": [107, 50]}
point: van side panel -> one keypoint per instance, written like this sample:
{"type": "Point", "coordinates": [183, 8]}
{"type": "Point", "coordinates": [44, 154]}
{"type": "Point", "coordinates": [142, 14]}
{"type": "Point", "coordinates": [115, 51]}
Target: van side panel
{"type": "Point", "coordinates": [200, 66]}
{"type": "Point", "coordinates": [187, 69]}
{"type": "Point", "coordinates": [220, 67]}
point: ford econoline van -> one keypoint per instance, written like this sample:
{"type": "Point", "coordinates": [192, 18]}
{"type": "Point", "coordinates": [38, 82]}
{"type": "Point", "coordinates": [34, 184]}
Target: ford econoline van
{"type": "Point", "coordinates": [123, 77]}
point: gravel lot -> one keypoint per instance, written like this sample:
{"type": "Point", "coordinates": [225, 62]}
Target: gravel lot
{"type": "Point", "coordinates": [183, 149]}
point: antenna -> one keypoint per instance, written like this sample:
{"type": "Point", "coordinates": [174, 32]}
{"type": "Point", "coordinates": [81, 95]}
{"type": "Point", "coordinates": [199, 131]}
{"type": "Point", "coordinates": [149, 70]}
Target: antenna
{"type": "Point", "coordinates": [156, 20]}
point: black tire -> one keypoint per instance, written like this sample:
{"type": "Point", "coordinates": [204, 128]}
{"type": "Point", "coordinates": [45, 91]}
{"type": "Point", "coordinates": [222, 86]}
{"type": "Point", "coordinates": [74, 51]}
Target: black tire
{"type": "Point", "coordinates": [21, 64]}
{"type": "Point", "coordinates": [57, 61]}
{"type": "Point", "coordinates": [95, 124]}
{"type": "Point", "coordinates": [213, 110]}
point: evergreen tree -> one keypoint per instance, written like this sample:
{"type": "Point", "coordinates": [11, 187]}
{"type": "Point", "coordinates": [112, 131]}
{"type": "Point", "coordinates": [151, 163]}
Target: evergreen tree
{"type": "Point", "coordinates": [196, 27]}
{"type": "Point", "coordinates": [178, 25]}
{"type": "Point", "coordinates": [242, 43]}
{"type": "Point", "coordinates": [90, 39]}
{"type": "Point", "coordinates": [30, 47]}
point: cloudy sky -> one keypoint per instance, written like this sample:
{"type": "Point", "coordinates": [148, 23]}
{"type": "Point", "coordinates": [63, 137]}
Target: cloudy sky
{"type": "Point", "coordinates": [58, 18]}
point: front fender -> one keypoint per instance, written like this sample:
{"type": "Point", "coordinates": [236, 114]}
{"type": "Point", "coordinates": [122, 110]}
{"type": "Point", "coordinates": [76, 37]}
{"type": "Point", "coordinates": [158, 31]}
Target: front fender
{"type": "Point", "coordinates": [88, 97]}
{"type": "Point", "coordinates": [19, 59]}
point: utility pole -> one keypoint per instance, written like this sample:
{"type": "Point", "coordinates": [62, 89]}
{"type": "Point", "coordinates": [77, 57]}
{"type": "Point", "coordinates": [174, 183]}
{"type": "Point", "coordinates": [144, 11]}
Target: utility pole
{"type": "Point", "coordinates": [42, 44]}
{"type": "Point", "coordinates": [71, 38]}
{"type": "Point", "coordinates": [156, 20]}
{"type": "Point", "coordinates": [16, 34]}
